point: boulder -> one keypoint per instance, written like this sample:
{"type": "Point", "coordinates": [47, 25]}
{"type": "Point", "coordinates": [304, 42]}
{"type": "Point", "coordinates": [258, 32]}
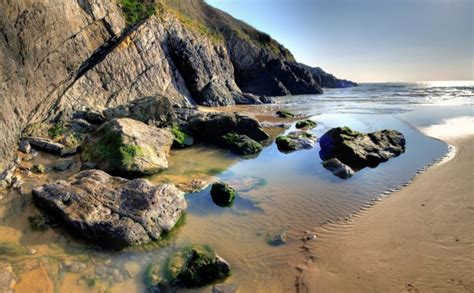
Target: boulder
{"type": "Point", "coordinates": [112, 211]}
{"type": "Point", "coordinates": [196, 266]}
{"type": "Point", "coordinates": [359, 150]}
{"type": "Point", "coordinates": [128, 147]}
{"type": "Point", "coordinates": [295, 140]}
{"type": "Point", "coordinates": [306, 124]}
{"type": "Point", "coordinates": [240, 144]}
{"type": "Point", "coordinates": [156, 110]}
{"type": "Point", "coordinates": [338, 168]}
{"type": "Point", "coordinates": [222, 194]}
{"type": "Point", "coordinates": [46, 145]}
{"type": "Point", "coordinates": [211, 126]}
{"type": "Point", "coordinates": [60, 166]}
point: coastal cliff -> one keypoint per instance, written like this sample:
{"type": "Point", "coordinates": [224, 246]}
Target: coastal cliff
{"type": "Point", "coordinates": [61, 56]}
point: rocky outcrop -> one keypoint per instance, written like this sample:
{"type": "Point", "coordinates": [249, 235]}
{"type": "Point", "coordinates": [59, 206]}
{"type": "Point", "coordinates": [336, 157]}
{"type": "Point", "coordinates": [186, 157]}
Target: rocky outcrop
{"type": "Point", "coordinates": [55, 66]}
{"type": "Point", "coordinates": [112, 211]}
{"type": "Point", "coordinates": [296, 140]}
{"type": "Point", "coordinates": [359, 150]}
{"type": "Point", "coordinates": [128, 147]}
{"type": "Point", "coordinates": [327, 80]}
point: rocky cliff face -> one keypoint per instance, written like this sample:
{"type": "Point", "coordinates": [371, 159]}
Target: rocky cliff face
{"type": "Point", "coordinates": [61, 56]}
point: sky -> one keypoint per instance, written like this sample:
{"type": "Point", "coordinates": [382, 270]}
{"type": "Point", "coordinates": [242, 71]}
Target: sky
{"type": "Point", "coordinates": [370, 40]}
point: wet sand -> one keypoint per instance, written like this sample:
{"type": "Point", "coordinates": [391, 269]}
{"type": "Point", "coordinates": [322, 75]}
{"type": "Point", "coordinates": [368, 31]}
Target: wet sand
{"type": "Point", "coordinates": [420, 239]}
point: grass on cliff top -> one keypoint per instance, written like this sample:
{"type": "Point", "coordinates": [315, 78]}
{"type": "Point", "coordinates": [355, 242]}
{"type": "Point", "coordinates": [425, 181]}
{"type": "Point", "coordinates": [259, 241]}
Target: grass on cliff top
{"type": "Point", "coordinates": [136, 10]}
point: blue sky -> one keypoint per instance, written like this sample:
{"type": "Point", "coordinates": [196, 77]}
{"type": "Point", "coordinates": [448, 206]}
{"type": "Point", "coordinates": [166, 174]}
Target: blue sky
{"type": "Point", "coordinates": [370, 40]}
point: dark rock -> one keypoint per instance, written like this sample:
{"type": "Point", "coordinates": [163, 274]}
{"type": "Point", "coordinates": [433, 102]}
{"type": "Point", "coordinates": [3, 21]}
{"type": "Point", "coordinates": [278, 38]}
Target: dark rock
{"type": "Point", "coordinates": [94, 117]}
{"type": "Point", "coordinates": [128, 147]}
{"type": "Point", "coordinates": [240, 144]}
{"type": "Point", "coordinates": [285, 114]}
{"type": "Point", "coordinates": [71, 151]}
{"type": "Point", "coordinates": [38, 169]}
{"type": "Point", "coordinates": [338, 168]}
{"type": "Point", "coordinates": [112, 211]}
{"type": "Point", "coordinates": [181, 138]}
{"type": "Point", "coordinates": [80, 125]}
{"type": "Point", "coordinates": [250, 99]}
{"type": "Point", "coordinates": [211, 126]}
{"type": "Point", "coordinates": [306, 124]}
{"type": "Point", "coordinates": [196, 266]}
{"type": "Point", "coordinates": [88, 166]}
{"type": "Point", "coordinates": [222, 194]}
{"type": "Point", "coordinates": [224, 288]}
{"type": "Point", "coordinates": [38, 222]}
{"type": "Point", "coordinates": [156, 110]}
{"type": "Point", "coordinates": [47, 145]}
{"type": "Point", "coordinates": [277, 239]}
{"type": "Point", "coordinates": [359, 150]}
{"type": "Point", "coordinates": [61, 166]}
{"type": "Point", "coordinates": [295, 140]}
{"type": "Point", "coordinates": [24, 146]}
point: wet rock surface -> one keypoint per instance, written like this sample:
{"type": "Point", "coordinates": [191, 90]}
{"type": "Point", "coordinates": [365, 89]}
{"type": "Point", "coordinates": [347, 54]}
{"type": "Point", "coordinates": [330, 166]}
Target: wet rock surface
{"type": "Point", "coordinates": [359, 150]}
{"type": "Point", "coordinates": [296, 140]}
{"type": "Point", "coordinates": [222, 194]}
{"type": "Point", "coordinates": [338, 168]}
{"type": "Point", "coordinates": [128, 147]}
{"type": "Point", "coordinates": [240, 144]}
{"type": "Point", "coordinates": [112, 211]}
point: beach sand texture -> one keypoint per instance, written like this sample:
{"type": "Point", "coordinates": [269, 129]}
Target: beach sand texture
{"type": "Point", "coordinates": [420, 239]}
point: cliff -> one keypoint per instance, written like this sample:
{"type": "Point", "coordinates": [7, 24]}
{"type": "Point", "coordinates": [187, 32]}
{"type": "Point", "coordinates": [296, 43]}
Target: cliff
{"type": "Point", "coordinates": [60, 56]}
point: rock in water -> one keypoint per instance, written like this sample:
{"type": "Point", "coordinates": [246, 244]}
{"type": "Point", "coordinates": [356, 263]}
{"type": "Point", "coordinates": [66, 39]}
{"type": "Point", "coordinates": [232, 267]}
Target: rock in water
{"type": "Point", "coordinates": [197, 266]}
{"type": "Point", "coordinates": [338, 168]}
{"type": "Point", "coordinates": [306, 124]}
{"type": "Point", "coordinates": [285, 114]}
{"type": "Point", "coordinates": [240, 144]}
{"type": "Point", "coordinates": [222, 194]}
{"type": "Point", "coordinates": [359, 150]}
{"type": "Point", "coordinates": [211, 126]}
{"type": "Point", "coordinates": [295, 140]}
{"type": "Point", "coordinates": [128, 147]}
{"type": "Point", "coordinates": [112, 211]}
{"type": "Point", "coordinates": [47, 145]}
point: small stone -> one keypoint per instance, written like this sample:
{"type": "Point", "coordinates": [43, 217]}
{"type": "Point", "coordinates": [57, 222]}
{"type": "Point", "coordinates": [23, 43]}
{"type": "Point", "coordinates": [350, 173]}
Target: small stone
{"type": "Point", "coordinates": [224, 288]}
{"type": "Point", "coordinates": [222, 194]}
{"type": "Point", "coordinates": [38, 169]}
{"type": "Point", "coordinates": [277, 239]}
{"type": "Point", "coordinates": [24, 146]}
{"type": "Point", "coordinates": [31, 251]}
{"type": "Point", "coordinates": [308, 236]}
{"type": "Point", "coordinates": [61, 166]}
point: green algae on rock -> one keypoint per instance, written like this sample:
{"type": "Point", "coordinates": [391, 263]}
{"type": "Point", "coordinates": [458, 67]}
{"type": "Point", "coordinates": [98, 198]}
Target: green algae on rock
{"type": "Point", "coordinates": [240, 144]}
{"type": "Point", "coordinates": [295, 140]}
{"type": "Point", "coordinates": [128, 147]}
{"type": "Point", "coordinates": [306, 124]}
{"type": "Point", "coordinates": [285, 114]}
{"type": "Point", "coordinates": [181, 138]}
{"type": "Point", "coordinates": [222, 194]}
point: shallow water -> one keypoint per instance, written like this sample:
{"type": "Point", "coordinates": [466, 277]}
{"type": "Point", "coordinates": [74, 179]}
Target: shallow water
{"type": "Point", "coordinates": [276, 192]}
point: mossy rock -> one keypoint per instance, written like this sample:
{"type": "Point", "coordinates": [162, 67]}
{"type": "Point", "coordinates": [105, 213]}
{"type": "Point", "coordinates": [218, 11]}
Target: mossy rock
{"type": "Point", "coordinates": [136, 10]}
{"type": "Point", "coordinates": [153, 278]}
{"type": "Point", "coordinates": [285, 114]}
{"type": "Point", "coordinates": [222, 194]}
{"type": "Point", "coordinates": [295, 141]}
{"type": "Point", "coordinates": [181, 138]}
{"type": "Point", "coordinates": [12, 249]}
{"type": "Point", "coordinates": [306, 124]}
{"type": "Point", "coordinates": [128, 147]}
{"type": "Point", "coordinates": [240, 144]}
{"type": "Point", "coordinates": [196, 266]}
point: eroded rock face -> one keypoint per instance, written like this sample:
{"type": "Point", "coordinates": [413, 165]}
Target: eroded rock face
{"type": "Point", "coordinates": [359, 150]}
{"type": "Point", "coordinates": [211, 126]}
{"type": "Point", "coordinates": [128, 147]}
{"type": "Point", "coordinates": [112, 211]}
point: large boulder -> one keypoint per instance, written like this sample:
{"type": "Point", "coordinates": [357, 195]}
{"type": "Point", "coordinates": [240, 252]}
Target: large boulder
{"type": "Point", "coordinates": [296, 140]}
{"type": "Point", "coordinates": [211, 126]}
{"type": "Point", "coordinates": [112, 211]}
{"type": "Point", "coordinates": [128, 147]}
{"type": "Point", "coordinates": [359, 150]}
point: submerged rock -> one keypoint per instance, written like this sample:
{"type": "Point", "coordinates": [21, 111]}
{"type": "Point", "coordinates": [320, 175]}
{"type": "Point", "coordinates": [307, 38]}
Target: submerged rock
{"type": "Point", "coordinates": [211, 126]}
{"type": "Point", "coordinates": [112, 211]}
{"type": "Point", "coordinates": [295, 140]}
{"type": "Point", "coordinates": [61, 166]}
{"type": "Point", "coordinates": [128, 147]}
{"type": "Point", "coordinates": [240, 144]}
{"type": "Point", "coordinates": [277, 239]}
{"type": "Point", "coordinates": [285, 114]}
{"type": "Point", "coordinates": [338, 168]}
{"type": "Point", "coordinates": [306, 124]}
{"type": "Point", "coordinates": [359, 150]}
{"type": "Point", "coordinates": [222, 194]}
{"type": "Point", "coordinates": [47, 145]}
{"type": "Point", "coordinates": [181, 138]}
{"type": "Point", "coordinates": [196, 266]}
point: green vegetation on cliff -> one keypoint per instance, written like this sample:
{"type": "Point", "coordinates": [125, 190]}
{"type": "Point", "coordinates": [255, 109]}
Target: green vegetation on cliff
{"type": "Point", "coordinates": [136, 10]}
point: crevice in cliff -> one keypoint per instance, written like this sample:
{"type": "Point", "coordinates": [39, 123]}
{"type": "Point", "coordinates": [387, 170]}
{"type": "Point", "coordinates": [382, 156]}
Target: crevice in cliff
{"type": "Point", "coordinates": [104, 50]}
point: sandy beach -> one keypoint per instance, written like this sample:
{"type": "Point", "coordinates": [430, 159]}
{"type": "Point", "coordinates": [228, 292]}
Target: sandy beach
{"type": "Point", "coordinates": [419, 239]}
